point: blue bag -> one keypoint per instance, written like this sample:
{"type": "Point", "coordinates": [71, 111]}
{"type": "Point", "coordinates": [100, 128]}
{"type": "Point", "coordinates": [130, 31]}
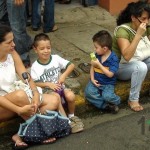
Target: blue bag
{"type": "Point", "coordinates": [42, 127]}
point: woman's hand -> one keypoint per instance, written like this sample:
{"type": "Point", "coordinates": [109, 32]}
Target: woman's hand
{"type": "Point", "coordinates": [27, 110]}
{"type": "Point", "coordinates": [141, 29]}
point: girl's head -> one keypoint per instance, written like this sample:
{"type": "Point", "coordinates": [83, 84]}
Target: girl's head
{"type": "Point", "coordinates": [42, 46]}
{"type": "Point", "coordinates": [6, 39]}
{"type": "Point", "coordinates": [135, 11]}
{"type": "Point", "coordinates": [102, 42]}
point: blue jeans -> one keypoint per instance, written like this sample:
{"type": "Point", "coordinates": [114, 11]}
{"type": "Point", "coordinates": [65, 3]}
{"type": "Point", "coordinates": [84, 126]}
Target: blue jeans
{"type": "Point", "coordinates": [100, 96]}
{"type": "Point", "coordinates": [17, 20]}
{"type": "Point", "coordinates": [48, 17]}
{"type": "Point", "coordinates": [136, 72]}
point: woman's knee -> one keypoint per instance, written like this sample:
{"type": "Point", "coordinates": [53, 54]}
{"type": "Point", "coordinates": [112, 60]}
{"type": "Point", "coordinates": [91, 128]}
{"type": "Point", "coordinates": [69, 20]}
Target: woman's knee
{"type": "Point", "coordinates": [18, 97]}
{"type": "Point", "coordinates": [141, 67]}
{"type": "Point", "coordinates": [50, 100]}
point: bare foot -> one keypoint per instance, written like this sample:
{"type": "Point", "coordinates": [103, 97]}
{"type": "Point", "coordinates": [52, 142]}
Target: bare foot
{"type": "Point", "coordinates": [18, 142]}
{"type": "Point", "coordinates": [135, 106]}
{"type": "Point", "coordinates": [50, 140]}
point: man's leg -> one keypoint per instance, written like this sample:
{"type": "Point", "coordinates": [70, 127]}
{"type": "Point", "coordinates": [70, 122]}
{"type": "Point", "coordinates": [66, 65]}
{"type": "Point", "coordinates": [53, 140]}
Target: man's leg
{"type": "Point", "coordinates": [36, 14]}
{"type": "Point", "coordinates": [3, 13]}
{"type": "Point", "coordinates": [17, 19]}
{"type": "Point", "coordinates": [48, 17]}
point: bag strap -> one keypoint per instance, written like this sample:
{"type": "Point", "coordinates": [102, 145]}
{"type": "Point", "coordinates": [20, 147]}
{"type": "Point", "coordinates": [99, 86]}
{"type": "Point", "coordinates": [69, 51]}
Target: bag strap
{"type": "Point", "coordinates": [127, 27]}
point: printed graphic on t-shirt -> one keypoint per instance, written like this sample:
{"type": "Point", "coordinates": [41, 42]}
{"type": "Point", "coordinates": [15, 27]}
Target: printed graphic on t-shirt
{"type": "Point", "coordinates": [98, 70]}
{"type": "Point", "coordinates": [50, 75]}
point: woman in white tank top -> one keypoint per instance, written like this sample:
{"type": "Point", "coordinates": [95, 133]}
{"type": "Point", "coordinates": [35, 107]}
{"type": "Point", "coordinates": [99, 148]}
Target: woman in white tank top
{"type": "Point", "coordinates": [17, 102]}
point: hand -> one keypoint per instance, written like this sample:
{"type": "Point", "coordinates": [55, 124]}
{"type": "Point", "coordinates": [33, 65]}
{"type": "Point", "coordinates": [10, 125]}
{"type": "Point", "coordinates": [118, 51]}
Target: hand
{"type": "Point", "coordinates": [54, 86]}
{"type": "Point", "coordinates": [62, 79]}
{"type": "Point", "coordinates": [141, 29]}
{"type": "Point", "coordinates": [27, 110]}
{"type": "Point", "coordinates": [18, 2]}
{"type": "Point", "coordinates": [95, 82]}
{"type": "Point", "coordinates": [95, 63]}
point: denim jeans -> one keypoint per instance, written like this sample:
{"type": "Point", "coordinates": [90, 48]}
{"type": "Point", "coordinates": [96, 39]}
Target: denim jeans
{"type": "Point", "coordinates": [17, 20]}
{"type": "Point", "coordinates": [100, 96]}
{"type": "Point", "coordinates": [136, 71]}
{"type": "Point", "coordinates": [48, 16]}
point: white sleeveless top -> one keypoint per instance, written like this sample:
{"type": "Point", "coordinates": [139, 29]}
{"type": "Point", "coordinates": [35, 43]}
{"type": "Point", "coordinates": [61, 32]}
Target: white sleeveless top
{"type": "Point", "coordinates": [7, 75]}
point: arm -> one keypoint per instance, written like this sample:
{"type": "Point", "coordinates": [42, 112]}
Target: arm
{"type": "Point", "coordinates": [95, 82]}
{"type": "Point", "coordinates": [97, 64]}
{"type": "Point", "coordinates": [19, 70]}
{"type": "Point", "coordinates": [53, 86]}
{"type": "Point", "coordinates": [66, 73]}
{"type": "Point", "coordinates": [18, 2]}
{"type": "Point", "coordinates": [26, 110]}
{"type": "Point", "coordinates": [128, 49]}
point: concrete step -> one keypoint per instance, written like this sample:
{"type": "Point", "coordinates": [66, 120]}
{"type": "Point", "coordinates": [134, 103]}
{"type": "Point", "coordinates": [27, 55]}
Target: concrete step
{"type": "Point", "coordinates": [122, 89]}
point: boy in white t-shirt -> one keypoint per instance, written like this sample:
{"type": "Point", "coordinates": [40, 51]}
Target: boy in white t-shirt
{"type": "Point", "coordinates": [46, 72]}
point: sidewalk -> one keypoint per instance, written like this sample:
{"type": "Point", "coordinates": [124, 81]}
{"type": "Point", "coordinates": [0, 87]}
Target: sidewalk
{"type": "Point", "coordinates": [73, 41]}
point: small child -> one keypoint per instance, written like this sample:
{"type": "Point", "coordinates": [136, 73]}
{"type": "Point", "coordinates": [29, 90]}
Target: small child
{"type": "Point", "coordinates": [100, 89]}
{"type": "Point", "coordinates": [46, 72]}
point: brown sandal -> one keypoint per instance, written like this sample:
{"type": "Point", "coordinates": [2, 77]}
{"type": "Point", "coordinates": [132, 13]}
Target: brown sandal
{"type": "Point", "coordinates": [135, 107]}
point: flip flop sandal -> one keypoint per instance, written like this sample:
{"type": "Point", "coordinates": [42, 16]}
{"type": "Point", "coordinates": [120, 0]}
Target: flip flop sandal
{"type": "Point", "coordinates": [20, 146]}
{"type": "Point", "coordinates": [77, 120]}
{"type": "Point", "coordinates": [85, 67]}
{"type": "Point", "coordinates": [74, 74]}
{"type": "Point", "coordinates": [136, 107]}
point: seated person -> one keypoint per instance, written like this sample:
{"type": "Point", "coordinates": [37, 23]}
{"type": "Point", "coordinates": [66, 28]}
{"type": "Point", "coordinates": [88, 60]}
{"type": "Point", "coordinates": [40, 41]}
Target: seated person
{"type": "Point", "coordinates": [100, 89]}
{"type": "Point", "coordinates": [16, 102]}
{"type": "Point", "coordinates": [46, 72]}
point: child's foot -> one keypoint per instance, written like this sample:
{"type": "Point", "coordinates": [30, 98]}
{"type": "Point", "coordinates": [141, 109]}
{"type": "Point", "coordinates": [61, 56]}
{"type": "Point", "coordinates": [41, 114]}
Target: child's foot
{"type": "Point", "coordinates": [77, 120]}
{"type": "Point", "coordinates": [75, 128]}
{"type": "Point", "coordinates": [76, 124]}
{"type": "Point", "coordinates": [111, 108]}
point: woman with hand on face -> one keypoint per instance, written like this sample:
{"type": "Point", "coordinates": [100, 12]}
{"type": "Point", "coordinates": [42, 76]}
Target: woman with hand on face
{"type": "Point", "coordinates": [16, 102]}
{"type": "Point", "coordinates": [132, 26]}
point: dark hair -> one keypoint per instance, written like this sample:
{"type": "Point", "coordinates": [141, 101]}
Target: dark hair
{"type": "Point", "coordinates": [134, 8]}
{"type": "Point", "coordinates": [4, 30]}
{"type": "Point", "coordinates": [103, 38]}
{"type": "Point", "coordinates": [40, 37]}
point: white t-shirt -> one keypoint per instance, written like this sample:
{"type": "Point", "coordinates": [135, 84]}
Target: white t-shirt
{"type": "Point", "coordinates": [7, 75]}
{"type": "Point", "coordinates": [50, 71]}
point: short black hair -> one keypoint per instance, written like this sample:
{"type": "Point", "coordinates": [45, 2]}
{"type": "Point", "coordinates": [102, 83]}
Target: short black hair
{"type": "Point", "coordinates": [103, 38]}
{"type": "Point", "coordinates": [40, 37]}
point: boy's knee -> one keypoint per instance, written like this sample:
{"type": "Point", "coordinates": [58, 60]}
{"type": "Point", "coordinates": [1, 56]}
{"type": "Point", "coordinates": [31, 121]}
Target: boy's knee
{"type": "Point", "coordinates": [107, 97]}
{"type": "Point", "coordinates": [70, 96]}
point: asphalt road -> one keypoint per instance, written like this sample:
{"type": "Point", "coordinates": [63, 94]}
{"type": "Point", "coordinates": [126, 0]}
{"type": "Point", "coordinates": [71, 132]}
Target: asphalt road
{"type": "Point", "coordinates": [131, 132]}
